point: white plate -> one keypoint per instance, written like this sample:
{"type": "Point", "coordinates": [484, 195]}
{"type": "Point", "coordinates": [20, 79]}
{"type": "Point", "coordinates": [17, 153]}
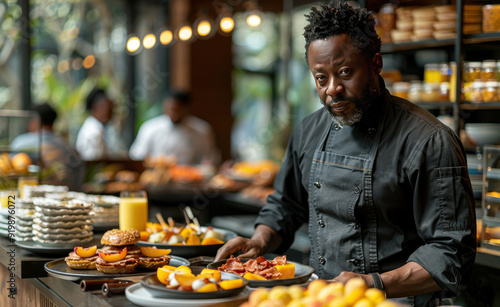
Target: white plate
{"type": "Point", "coordinates": [140, 296]}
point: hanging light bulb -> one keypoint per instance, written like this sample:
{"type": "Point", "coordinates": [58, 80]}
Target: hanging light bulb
{"type": "Point", "coordinates": [149, 41]}
{"type": "Point", "coordinates": [254, 19]}
{"type": "Point", "coordinates": [204, 28]}
{"type": "Point", "coordinates": [166, 37]}
{"type": "Point", "coordinates": [226, 24]}
{"type": "Point", "coordinates": [185, 33]}
{"type": "Point", "coordinates": [133, 44]}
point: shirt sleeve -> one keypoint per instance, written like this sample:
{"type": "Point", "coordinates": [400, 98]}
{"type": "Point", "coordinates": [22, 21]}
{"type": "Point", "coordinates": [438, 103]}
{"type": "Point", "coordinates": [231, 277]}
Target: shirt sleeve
{"type": "Point", "coordinates": [90, 142]}
{"type": "Point", "coordinates": [287, 208]}
{"type": "Point", "coordinates": [444, 211]}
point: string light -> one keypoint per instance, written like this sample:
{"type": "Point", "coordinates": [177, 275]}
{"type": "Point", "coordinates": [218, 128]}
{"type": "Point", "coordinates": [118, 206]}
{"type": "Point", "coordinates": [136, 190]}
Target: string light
{"type": "Point", "coordinates": [204, 28]}
{"type": "Point", "coordinates": [166, 37]}
{"type": "Point", "coordinates": [89, 61]}
{"type": "Point", "coordinates": [226, 24]}
{"type": "Point", "coordinates": [254, 20]}
{"type": "Point", "coordinates": [149, 41]}
{"type": "Point", "coordinates": [133, 44]}
{"type": "Point", "coordinates": [185, 33]}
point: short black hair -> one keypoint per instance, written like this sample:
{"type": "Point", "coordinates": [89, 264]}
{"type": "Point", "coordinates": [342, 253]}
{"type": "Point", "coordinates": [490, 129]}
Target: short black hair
{"type": "Point", "coordinates": [47, 114]}
{"type": "Point", "coordinates": [93, 96]}
{"type": "Point", "coordinates": [182, 97]}
{"type": "Point", "coordinates": [331, 20]}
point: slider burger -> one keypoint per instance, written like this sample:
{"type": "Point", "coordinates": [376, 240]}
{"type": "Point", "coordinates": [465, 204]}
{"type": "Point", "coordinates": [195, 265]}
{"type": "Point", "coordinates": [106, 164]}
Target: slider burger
{"type": "Point", "coordinates": [119, 254]}
{"type": "Point", "coordinates": [153, 258]}
{"type": "Point", "coordinates": [82, 258]}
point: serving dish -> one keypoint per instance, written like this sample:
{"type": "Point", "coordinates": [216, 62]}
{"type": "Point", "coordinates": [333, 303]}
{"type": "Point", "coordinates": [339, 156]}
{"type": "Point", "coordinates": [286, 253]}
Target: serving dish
{"type": "Point", "coordinates": [53, 248]}
{"type": "Point", "coordinates": [58, 268]}
{"type": "Point", "coordinates": [189, 251]}
{"type": "Point", "coordinates": [138, 294]}
{"type": "Point", "coordinates": [157, 289]}
{"type": "Point", "coordinates": [302, 274]}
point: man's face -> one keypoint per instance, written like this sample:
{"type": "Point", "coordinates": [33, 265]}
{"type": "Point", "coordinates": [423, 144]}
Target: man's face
{"type": "Point", "coordinates": [345, 77]}
{"type": "Point", "coordinates": [175, 110]}
{"type": "Point", "coordinates": [103, 110]}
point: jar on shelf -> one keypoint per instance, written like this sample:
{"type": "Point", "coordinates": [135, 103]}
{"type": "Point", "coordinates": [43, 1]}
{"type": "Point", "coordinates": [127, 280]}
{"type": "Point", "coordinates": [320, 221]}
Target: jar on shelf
{"type": "Point", "coordinates": [432, 73]}
{"type": "Point", "coordinates": [453, 82]}
{"type": "Point", "coordinates": [491, 18]}
{"type": "Point", "coordinates": [430, 92]}
{"type": "Point", "coordinates": [444, 72]}
{"type": "Point", "coordinates": [401, 89]}
{"type": "Point", "coordinates": [444, 91]}
{"type": "Point", "coordinates": [476, 91]}
{"type": "Point", "coordinates": [490, 91]}
{"type": "Point", "coordinates": [472, 72]}
{"type": "Point", "coordinates": [415, 91]}
{"type": "Point", "coordinates": [488, 70]}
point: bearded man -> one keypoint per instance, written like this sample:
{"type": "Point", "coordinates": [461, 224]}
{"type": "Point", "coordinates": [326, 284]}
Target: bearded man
{"type": "Point", "coordinates": [381, 182]}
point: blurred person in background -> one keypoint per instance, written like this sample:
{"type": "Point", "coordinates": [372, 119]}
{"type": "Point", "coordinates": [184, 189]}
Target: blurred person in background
{"type": "Point", "coordinates": [97, 138]}
{"type": "Point", "coordinates": [176, 133]}
{"type": "Point", "coordinates": [61, 164]}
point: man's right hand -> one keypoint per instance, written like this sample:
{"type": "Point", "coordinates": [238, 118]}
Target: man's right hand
{"type": "Point", "coordinates": [249, 248]}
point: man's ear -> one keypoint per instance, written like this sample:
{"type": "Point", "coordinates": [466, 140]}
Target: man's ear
{"type": "Point", "coordinates": [377, 63]}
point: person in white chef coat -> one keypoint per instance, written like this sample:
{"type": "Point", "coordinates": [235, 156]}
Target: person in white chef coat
{"type": "Point", "coordinates": [97, 138]}
{"type": "Point", "coordinates": [176, 133]}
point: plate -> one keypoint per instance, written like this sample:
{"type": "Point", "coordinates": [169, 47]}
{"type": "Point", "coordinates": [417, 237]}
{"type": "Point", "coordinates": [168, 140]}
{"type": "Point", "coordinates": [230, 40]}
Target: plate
{"type": "Point", "coordinates": [137, 294]}
{"type": "Point", "coordinates": [53, 248]}
{"type": "Point", "coordinates": [302, 274]}
{"type": "Point", "coordinates": [189, 251]}
{"type": "Point", "coordinates": [157, 289]}
{"type": "Point", "coordinates": [58, 268]}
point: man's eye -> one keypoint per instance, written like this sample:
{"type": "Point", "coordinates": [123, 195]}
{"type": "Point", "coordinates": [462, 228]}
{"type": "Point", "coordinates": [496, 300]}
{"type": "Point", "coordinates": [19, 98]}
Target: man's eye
{"type": "Point", "coordinates": [320, 78]}
{"type": "Point", "coordinates": [345, 72]}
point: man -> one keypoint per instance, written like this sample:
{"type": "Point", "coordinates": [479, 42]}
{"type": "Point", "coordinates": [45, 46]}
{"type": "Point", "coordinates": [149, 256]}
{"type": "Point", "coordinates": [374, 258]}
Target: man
{"type": "Point", "coordinates": [176, 133]}
{"type": "Point", "coordinates": [97, 138]}
{"type": "Point", "coordinates": [61, 163]}
{"type": "Point", "coordinates": [382, 183]}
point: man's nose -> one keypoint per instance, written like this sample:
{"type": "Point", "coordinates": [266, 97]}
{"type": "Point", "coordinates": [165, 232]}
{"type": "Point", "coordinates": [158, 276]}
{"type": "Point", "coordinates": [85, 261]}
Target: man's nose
{"type": "Point", "coordinates": [334, 87]}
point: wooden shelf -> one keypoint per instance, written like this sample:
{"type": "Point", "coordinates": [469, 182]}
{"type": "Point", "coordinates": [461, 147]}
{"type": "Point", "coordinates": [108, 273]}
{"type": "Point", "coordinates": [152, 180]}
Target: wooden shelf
{"type": "Point", "coordinates": [463, 106]}
{"type": "Point", "coordinates": [432, 43]}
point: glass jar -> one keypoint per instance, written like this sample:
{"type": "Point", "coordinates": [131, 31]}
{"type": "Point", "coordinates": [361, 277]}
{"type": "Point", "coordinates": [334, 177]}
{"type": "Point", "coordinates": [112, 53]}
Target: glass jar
{"type": "Point", "coordinates": [490, 91]}
{"type": "Point", "coordinates": [472, 72]}
{"type": "Point", "coordinates": [491, 18]}
{"type": "Point", "coordinates": [432, 73]}
{"type": "Point", "coordinates": [476, 91]}
{"type": "Point", "coordinates": [453, 82]}
{"type": "Point", "coordinates": [430, 92]}
{"type": "Point", "coordinates": [488, 70]}
{"type": "Point", "coordinates": [444, 72]}
{"type": "Point", "coordinates": [497, 71]}
{"type": "Point", "coordinates": [401, 89]}
{"type": "Point", "coordinates": [444, 91]}
{"type": "Point", "coordinates": [415, 91]}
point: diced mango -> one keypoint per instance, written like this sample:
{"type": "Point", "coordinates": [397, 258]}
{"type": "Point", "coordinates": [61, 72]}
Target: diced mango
{"type": "Point", "coordinates": [287, 270]}
{"type": "Point", "coordinates": [211, 241]}
{"type": "Point", "coordinates": [231, 284]}
{"type": "Point", "coordinates": [185, 280]}
{"type": "Point", "coordinates": [183, 268]}
{"type": "Point", "coordinates": [163, 274]}
{"type": "Point", "coordinates": [210, 287]}
{"type": "Point", "coordinates": [252, 276]}
{"type": "Point", "coordinates": [209, 273]}
{"type": "Point", "coordinates": [193, 239]}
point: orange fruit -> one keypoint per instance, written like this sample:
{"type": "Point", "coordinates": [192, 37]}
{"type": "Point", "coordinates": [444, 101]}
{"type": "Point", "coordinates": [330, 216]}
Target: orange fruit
{"type": "Point", "coordinates": [20, 162]}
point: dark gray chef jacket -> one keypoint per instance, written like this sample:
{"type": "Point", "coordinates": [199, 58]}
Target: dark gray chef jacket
{"type": "Point", "coordinates": [377, 195]}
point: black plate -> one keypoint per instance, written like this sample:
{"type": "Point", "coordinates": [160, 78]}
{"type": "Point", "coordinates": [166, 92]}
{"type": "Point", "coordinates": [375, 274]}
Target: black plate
{"type": "Point", "coordinates": [55, 248]}
{"type": "Point", "coordinates": [189, 251]}
{"type": "Point", "coordinates": [157, 289]}
{"type": "Point", "coordinates": [302, 275]}
{"type": "Point", "coordinates": [58, 268]}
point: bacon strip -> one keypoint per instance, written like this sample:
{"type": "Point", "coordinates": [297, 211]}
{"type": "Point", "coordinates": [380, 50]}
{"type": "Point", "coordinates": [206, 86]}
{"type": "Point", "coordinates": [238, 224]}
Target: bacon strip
{"type": "Point", "coordinates": [260, 266]}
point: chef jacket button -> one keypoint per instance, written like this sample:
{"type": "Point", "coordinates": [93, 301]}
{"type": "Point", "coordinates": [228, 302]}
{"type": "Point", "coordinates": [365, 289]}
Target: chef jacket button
{"type": "Point", "coordinates": [355, 262]}
{"type": "Point", "coordinates": [336, 127]}
{"type": "Point", "coordinates": [321, 223]}
{"type": "Point", "coordinates": [372, 130]}
{"type": "Point", "coordinates": [321, 260]}
{"type": "Point", "coordinates": [317, 184]}
{"type": "Point", "coordinates": [357, 190]}
{"type": "Point", "coordinates": [355, 225]}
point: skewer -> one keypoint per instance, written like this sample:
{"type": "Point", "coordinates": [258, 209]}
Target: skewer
{"type": "Point", "coordinates": [162, 221]}
{"type": "Point", "coordinates": [189, 212]}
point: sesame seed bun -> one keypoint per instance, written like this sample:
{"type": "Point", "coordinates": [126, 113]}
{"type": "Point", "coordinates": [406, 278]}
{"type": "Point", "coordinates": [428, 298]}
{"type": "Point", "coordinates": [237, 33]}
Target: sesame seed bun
{"type": "Point", "coordinates": [117, 237]}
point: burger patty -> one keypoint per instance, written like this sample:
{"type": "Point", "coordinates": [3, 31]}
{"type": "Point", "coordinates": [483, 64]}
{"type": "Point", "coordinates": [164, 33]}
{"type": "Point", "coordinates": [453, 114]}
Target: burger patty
{"type": "Point", "coordinates": [120, 263]}
{"type": "Point", "coordinates": [74, 257]}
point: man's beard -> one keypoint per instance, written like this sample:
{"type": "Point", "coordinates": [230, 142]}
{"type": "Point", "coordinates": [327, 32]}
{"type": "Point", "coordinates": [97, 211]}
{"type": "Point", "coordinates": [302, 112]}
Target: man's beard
{"type": "Point", "coordinates": [370, 94]}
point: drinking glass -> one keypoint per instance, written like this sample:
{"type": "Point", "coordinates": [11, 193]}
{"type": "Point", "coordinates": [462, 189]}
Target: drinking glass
{"type": "Point", "coordinates": [133, 210]}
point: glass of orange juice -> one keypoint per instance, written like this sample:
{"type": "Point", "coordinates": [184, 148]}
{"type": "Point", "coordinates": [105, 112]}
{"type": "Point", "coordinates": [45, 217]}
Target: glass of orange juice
{"type": "Point", "coordinates": [133, 210]}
